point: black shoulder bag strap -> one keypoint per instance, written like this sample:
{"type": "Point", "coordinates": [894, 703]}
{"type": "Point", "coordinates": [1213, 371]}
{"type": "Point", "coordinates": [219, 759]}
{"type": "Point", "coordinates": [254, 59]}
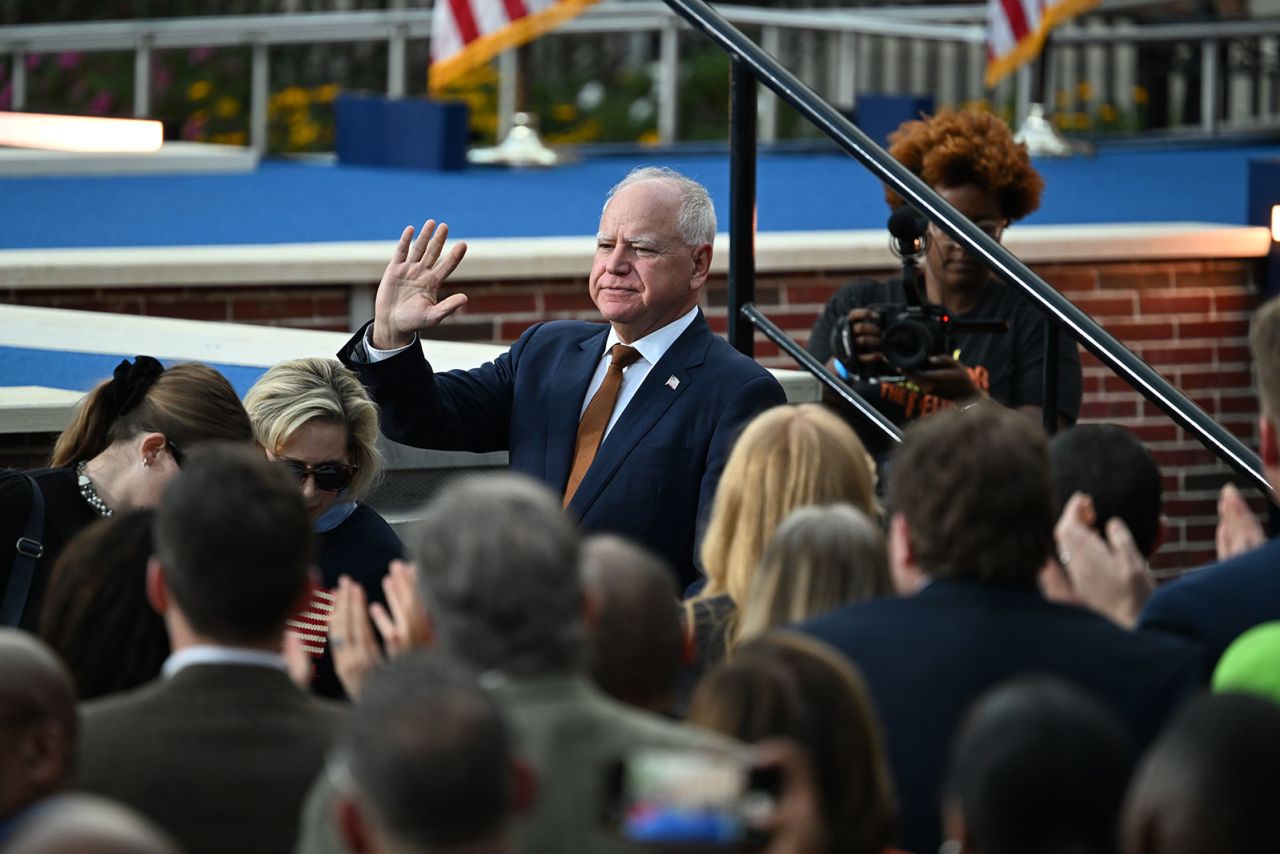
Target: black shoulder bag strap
{"type": "Point", "coordinates": [27, 550]}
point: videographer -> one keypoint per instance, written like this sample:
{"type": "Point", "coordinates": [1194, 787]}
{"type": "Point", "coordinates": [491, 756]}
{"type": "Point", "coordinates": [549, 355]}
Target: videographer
{"type": "Point", "coordinates": [971, 160]}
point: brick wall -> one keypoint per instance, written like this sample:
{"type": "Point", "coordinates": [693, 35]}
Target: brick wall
{"type": "Point", "coordinates": [1189, 319]}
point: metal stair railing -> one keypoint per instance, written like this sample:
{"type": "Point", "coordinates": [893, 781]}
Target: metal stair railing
{"type": "Point", "coordinates": [750, 63]}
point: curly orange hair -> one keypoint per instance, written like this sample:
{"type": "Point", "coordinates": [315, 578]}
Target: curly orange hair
{"type": "Point", "coordinates": [952, 149]}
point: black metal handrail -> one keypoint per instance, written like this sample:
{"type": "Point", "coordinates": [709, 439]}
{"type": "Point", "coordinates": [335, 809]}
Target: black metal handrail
{"type": "Point", "coordinates": [1137, 373]}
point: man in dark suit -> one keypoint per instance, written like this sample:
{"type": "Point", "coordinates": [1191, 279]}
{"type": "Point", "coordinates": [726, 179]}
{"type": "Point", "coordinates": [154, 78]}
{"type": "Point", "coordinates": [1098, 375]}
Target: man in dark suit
{"type": "Point", "coordinates": [971, 526]}
{"type": "Point", "coordinates": [221, 749]}
{"type": "Point", "coordinates": [1215, 605]}
{"type": "Point", "coordinates": [630, 422]}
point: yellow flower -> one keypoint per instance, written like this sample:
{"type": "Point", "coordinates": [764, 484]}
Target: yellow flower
{"type": "Point", "coordinates": [199, 90]}
{"type": "Point", "coordinates": [237, 137]}
{"type": "Point", "coordinates": [1061, 98]}
{"type": "Point", "coordinates": [649, 137]}
{"type": "Point", "coordinates": [200, 116]}
{"type": "Point", "coordinates": [564, 112]}
{"type": "Point", "coordinates": [1107, 113]}
{"type": "Point", "coordinates": [326, 93]}
{"type": "Point", "coordinates": [303, 134]}
{"type": "Point", "coordinates": [293, 96]}
{"type": "Point", "coordinates": [1080, 121]}
{"type": "Point", "coordinates": [226, 107]}
{"type": "Point", "coordinates": [1139, 94]}
{"type": "Point", "coordinates": [1084, 91]}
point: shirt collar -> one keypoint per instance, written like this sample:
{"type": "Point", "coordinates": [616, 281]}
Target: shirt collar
{"type": "Point", "coordinates": [654, 346]}
{"type": "Point", "coordinates": [212, 654]}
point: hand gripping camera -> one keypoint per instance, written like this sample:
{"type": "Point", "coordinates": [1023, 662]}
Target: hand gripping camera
{"type": "Point", "coordinates": [910, 334]}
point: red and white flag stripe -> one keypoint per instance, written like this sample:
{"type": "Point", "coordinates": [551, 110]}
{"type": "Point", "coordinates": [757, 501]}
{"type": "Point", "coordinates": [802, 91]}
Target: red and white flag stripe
{"type": "Point", "coordinates": [1017, 29]}
{"type": "Point", "coordinates": [467, 33]}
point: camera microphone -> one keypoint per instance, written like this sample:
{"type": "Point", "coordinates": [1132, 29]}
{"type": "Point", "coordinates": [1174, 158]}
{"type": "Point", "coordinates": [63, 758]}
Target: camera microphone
{"type": "Point", "coordinates": [908, 232]}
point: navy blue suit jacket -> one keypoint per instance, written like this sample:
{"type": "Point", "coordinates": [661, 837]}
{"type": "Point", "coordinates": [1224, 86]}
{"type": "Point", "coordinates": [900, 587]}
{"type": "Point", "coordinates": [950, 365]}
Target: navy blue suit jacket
{"type": "Point", "coordinates": [927, 657]}
{"type": "Point", "coordinates": [655, 475]}
{"type": "Point", "coordinates": [1215, 605]}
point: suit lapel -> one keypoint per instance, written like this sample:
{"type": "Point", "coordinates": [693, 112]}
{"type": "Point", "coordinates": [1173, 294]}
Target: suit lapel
{"type": "Point", "coordinates": [569, 384]}
{"type": "Point", "coordinates": [654, 397]}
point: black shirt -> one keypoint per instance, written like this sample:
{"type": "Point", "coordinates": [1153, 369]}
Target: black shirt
{"type": "Point", "coordinates": [66, 513]}
{"type": "Point", "coordinates": [1008, 366]}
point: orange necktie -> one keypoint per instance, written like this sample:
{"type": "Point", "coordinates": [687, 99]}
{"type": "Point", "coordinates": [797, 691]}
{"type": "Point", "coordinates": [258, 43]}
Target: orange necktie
{"type": "Point", "coordinates": [596, 418]}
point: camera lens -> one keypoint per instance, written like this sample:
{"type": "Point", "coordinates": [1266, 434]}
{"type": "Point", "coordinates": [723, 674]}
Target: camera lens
{"type": "Point", "coordinates": [907, 344]}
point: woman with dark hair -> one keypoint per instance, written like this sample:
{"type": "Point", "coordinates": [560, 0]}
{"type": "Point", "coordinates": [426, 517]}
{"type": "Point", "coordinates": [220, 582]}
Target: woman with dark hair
{"type": "Point", "coordinates": [790, 685]}
{"type": "Point", "coordinates": [1038, 768]}
{"type": "Point", "coordinates": [126, 440]}
{"type": "Point", "coordinates": [972, 161]}
{"type": "Point", "coordinates": [96, 616]}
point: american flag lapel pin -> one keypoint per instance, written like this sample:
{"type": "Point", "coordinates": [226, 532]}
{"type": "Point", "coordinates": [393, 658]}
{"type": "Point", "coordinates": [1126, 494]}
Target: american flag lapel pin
{"type": "Point", "coordinates": [672, 382]}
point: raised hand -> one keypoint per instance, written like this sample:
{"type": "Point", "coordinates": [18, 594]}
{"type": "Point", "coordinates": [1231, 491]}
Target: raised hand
{"type": "Point", "coordinates": [403, 623]}
{"type": "Point", "coordinates": [351, 641]}
{"type": "Point", "coordinates": [1238, 529]}
{"type": "Point", "coordinates": [1110, 576]}
{"type": "Point", "coordinates": [407, 300]}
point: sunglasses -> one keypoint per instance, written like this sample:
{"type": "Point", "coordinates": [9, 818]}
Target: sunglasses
{"type": "Point", "coordinates": [331, 477]}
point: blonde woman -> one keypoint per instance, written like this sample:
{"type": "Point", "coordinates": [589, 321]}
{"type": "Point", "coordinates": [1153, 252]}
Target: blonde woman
{"type": "Point", "coordinates": [819, 559]}
{"type": "Point", "coordinates": [315, 419]}
{"type": "Point", "coordinates": [788, 457]}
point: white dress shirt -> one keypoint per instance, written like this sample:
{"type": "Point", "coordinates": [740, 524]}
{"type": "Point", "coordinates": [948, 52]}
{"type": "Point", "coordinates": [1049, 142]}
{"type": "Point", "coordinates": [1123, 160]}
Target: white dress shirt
{"type": "Point", "coordinates": [211, 654]}
{"type": "Point", "coordinates": [652, 347]}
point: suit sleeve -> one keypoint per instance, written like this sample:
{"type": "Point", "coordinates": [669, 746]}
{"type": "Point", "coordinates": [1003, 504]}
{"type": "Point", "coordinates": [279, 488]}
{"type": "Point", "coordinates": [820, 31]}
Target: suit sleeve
{"type": "Point", "coordinates": [756, 396]}
{"type": "Point", "coordinates": [452, 411]}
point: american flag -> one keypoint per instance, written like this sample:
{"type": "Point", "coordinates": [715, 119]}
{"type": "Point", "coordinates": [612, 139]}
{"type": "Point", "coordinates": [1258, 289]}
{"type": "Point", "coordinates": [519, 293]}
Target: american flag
{"type": "Point", "coordinates": [311, 624]}
{"type": "Point", "coordinates": [468, 33]}
{"type": "Point", "coordinates": [1017, 29]}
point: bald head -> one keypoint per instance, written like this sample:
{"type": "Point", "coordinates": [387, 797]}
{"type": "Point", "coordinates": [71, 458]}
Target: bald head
{"type": "Point", "coordinates": [38, 710]}
{"type": "Point", "coordinates": [637, 642]}
{"type": "Point", "coordinates": [87, 824]}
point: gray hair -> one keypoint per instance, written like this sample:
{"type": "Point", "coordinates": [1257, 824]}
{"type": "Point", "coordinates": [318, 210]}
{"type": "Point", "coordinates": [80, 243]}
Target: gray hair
{"type": "Point", "coordinates": [697, 221]}
{"type": "Point", "coordinates": [498, 569]}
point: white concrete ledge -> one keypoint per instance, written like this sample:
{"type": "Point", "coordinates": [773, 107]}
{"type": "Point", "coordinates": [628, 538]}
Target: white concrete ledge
{"type": "Point", "coordinates": [516, 259]}
{"type": "Point", "coordinates": [173, 158]}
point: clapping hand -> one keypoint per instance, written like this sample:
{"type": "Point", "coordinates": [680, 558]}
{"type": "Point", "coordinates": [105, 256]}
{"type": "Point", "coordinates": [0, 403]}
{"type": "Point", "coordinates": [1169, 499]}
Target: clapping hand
{"type": "Point", "coordinates": [403, 625]}
{"type": "Point", "coordinates": [407, 300]}
{"type": "Point", "coordinates": [1238, 529]}
{"type": "Point", "coordinates": [1110, 577]}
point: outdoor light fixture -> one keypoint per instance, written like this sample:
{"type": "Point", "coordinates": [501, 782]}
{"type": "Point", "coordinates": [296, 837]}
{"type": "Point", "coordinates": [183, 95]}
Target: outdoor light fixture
{"type": "Point", "coordinates": [80, 133]}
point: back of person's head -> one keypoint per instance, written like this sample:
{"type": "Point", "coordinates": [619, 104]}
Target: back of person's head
{"type": "Point", "coordinates": [974, 488]}
{"type": "Point", "coordinates": [1209, 783]}
{"type": "Point", "coordinates": [499, 574]}
{"type": "Point", "coordinates": [637, 634]}
{"type": "Point", "coordinates": [37, 722]}
{"type": "Point", "coordinates": [80, 823]}
{"type": "Point", "coordinates": [1039, 767]}
{"type": "Point", "coordinates": [786, 684]}
{"type": "Point", "coordinates": [787, 457]}
{"type": "Point", "coordinates": [1264, 346]}
{"type": "Point", "coordinates": [1110, 465]}
{"type": "Point", "coordinates": [190, 404]}
{"type": "Point", "coordinates": [1251, 665]}
{"type": "Point", "coordinates": [296, 392]}
{"type": "Point", "coordinates": [819, 559]}
{"type": "Point", "coordinates": [95, 614]}
{"type": "Point", "coordinates": [235, 544]}
{"type": "Point", "coordinates": [428, 760]}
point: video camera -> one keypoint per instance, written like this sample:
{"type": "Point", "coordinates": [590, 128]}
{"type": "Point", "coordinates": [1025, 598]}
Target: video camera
{"type": "Point", "coordinates": [910, 334]}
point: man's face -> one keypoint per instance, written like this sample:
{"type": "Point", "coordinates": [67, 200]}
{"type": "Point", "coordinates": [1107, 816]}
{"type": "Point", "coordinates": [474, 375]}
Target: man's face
{"type": "Point", "coordinates": [644, 276]}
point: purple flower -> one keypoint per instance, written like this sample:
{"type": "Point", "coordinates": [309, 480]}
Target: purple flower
{"type": "Point", "coordinates": [100, 104]}
{"type": "Point", "coordinates": [33, 61]}
{"type": "Point", "coordinates": [6, 95]}
{"type": "Point", "coordinates": [68, 60]}
{"type": "Point", "coordinates": [199, 55]}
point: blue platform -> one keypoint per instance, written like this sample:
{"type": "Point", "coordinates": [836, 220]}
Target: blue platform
{"type": "Point", "coordinates": [289, 202]}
